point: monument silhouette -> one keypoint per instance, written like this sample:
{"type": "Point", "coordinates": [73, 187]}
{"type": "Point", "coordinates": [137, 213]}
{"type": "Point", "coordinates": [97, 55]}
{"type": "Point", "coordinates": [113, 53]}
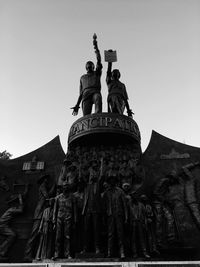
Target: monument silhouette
{"type": "Point", "coordinates": [104, 199]}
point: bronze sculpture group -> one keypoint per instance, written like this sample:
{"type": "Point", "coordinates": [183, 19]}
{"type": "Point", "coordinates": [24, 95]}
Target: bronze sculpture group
{"type": "Point", "coordinates": [97, 208]}
{"type": "Point", "coordinates": [90, 88]}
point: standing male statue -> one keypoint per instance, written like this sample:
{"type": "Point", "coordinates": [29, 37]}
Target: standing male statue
{"type": "Point", "coordinates": [92, 208]}
{"type": "Point", "coordinates": [115, 208]}
{"type": "Point", "coordinates": [43, 194]}
{"type": "Point", "coordinates": [64, 217]}
{"type": "Point", "coordinates": [90, 86]}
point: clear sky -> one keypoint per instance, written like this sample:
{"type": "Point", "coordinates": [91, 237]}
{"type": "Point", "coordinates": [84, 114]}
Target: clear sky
{"type": "Point", "coordinates": [44, 45]}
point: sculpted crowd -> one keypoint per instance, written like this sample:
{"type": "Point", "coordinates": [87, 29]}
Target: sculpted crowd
{"type": "Point", "coordinates": [98, 209]}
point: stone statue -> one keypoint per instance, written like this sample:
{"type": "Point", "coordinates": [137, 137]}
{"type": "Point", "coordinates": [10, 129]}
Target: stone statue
{"type": "Point", "coordinates": [164, 209]}
{"type": "Point", "coordinates": [69, 174]}
{"type": "Point", "coordinates": [5, 229]}
{"type": "Point", "coordinates": [43, 195]}
{"type": "Point", "coordinates": [92, 207]}
{"type": "Point", "coordinates": [137, 220]}
{"type": "Point", "coordinates": [44, 250]}
{"type": "Point", "coordinates": [190, 194]}
{"type": "Point", "coordinates": [149, 225]}
{"type": "Point", "coordinates": [125, 173]}
{"type": "Point", "coordinates": [114, 203]}
{"type": "Point", "coordinates": [90, 86]}
{"type": "Point", "coordinates": [117, 95]}
{"type": "Point", "coordinates": [64, 217]}
{"type": "Point", "coordinates": [79, 227]}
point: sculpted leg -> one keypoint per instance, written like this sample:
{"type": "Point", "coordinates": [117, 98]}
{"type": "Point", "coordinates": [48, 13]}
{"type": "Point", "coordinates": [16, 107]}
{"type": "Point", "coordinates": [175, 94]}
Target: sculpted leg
{"type": "Point", "coordinates": [97, 99]}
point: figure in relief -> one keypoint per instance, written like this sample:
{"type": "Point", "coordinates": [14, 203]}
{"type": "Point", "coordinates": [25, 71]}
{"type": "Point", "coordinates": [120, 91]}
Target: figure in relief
{"type": "Point", "coordinates": [5, 228]}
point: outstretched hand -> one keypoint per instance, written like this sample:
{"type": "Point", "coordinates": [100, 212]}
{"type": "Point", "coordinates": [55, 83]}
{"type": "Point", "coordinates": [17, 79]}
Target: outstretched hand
{"type": "Point", "coordinates": [130, 113]}
{"type": "Point", "coordinates": [75, 110]}
{"type": "Point", "coordinates": [94, 36]}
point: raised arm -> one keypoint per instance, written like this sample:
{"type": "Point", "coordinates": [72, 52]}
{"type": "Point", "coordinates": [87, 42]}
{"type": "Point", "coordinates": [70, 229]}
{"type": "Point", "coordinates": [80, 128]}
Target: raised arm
{"type": "Point", "coordinates": [109, 73]}
{"type": "Point", "coordinates": [97, 52]}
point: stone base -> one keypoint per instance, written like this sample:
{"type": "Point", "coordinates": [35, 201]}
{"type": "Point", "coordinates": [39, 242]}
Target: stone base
{"type": "Point", "coordinates": [179, 254]}
{"type": "Point", "coordinates": [173, 254]}
{"type": "Point", "coordinates": [3, 259]}
{"type": "Point", "coordinates": [87, 255]}
{"type": "Point", "coordinates": [112, 262]}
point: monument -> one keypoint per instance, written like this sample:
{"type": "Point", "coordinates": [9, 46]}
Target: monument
{"type": "Point", "coordinates": [104, 200]}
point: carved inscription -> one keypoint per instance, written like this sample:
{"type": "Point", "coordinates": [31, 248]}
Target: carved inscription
{"type": "Point", "coordinates": [104, 122]}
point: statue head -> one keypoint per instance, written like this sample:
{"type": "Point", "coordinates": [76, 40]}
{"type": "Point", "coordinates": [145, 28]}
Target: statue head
{"type": "Point", "coordinates": [67, 162]}
{"type": "Point", "coordinates": [173, 178]}
{"type": "Point", "coordinates": [43, 179]}
{"type": "Point", "coordinates": [72, 167]}
{"type": "Point", "coordinates": [66, 187]}
{"type": "Point", "coordinates": [94, 163]}
{"type": "Point", "coordinates": [112, 178]}
{"type": "Point", "coordinates": [116, 74]}
{"type": "Point", "coordinates": [144, 198]}
{"type": "Point", "coordinates": [89, 66]}
{"type": "Point", "coordinates": [126, 187]}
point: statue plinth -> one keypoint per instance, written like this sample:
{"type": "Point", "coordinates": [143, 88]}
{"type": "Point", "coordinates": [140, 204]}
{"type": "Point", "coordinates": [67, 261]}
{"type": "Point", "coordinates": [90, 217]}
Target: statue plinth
{"type": "Point", "coordinates": [104, 126]}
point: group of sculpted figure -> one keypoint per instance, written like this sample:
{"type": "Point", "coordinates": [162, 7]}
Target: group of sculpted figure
{"type": "Point", "coordinates": [93, 211]}
{"type": "Point", "coordinates": [122, 158]}
{"type": "Point", "coordinates": [97, 209]}
{"type": "Point", "coordinates": [89, 213]}
{"type": "Point", "coordinates": [90, 88]}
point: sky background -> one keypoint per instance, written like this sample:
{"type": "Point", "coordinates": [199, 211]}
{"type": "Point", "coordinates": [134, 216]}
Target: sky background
{"type": "Point", "coordinates": [44, 45]}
